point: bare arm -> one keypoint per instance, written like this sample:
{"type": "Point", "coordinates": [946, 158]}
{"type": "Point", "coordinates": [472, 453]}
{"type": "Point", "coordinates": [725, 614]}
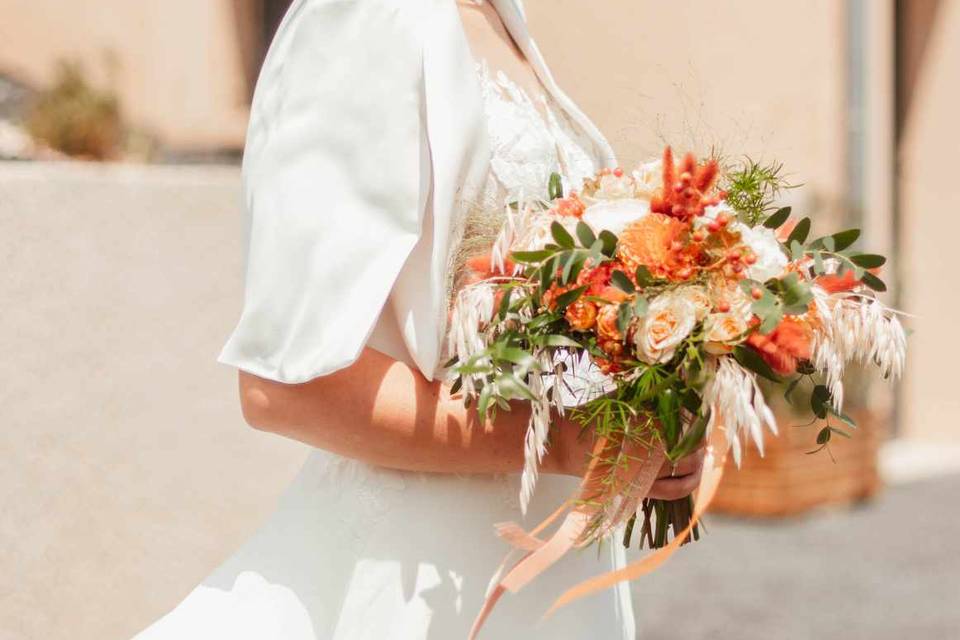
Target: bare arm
{"type": "Point", "coordinates": [385, 413]}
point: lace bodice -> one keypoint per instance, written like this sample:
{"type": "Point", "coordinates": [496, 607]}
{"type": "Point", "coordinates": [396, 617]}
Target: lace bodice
{"type": "Point", "coordinates": [530, 138]}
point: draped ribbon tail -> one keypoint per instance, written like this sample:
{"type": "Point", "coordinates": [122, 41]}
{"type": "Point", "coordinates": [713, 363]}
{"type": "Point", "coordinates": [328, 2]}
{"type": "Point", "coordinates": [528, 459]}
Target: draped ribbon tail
{"type": "Point", "coordinates": [514, 535]}
{"type": "Point", "coordinates": [571, 532]}
{"type": "Point", "coordinates": [712, 474]}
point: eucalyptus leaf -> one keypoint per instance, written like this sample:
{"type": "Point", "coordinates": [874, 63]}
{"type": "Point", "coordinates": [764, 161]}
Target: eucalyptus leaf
{"type": "Point", "coordinates": [530, 257]}
{"type": "Point", "coordinates": [771, 319]}
{"type": "Point", "coordinates": [844, 239]}
{"type": "Point", "coordinates": [818, 267]}
{"type": "Point", "coordinates": [820, 401]}
{"type": "Point", "coordinates": [569, 297]}
{"type": "Point", "coordinates": [868, 260]}
{"type": "Point", "coordinates": [624, 316]}
{"type": "Point", "coordinates": [561, 235]}
{"type": "Point", "coordinates": [824, 436]}
{"type": "Point", "coordinates": [510, 386]}
{"type": "Point", "coordinates": [873, 282]}
{"type": "Point", "coordinates": [585, 234]}
{"type": "Point", "coordinates": [644, 277]}
{"type": "Point", "coordinates": [621, 281]}
{"type": "Point", "coordinates": [555, 188]}
{"type": "Point", "coordinates": [800, 232]}
{"type": "Point", "coordinates": [751, 360]}
{"type": "Point", "coordinates": [609, 243]}
{"type": "Point", "coordinates": [640, 306]}
{"type": "Point", "coordinates": [777, 218]}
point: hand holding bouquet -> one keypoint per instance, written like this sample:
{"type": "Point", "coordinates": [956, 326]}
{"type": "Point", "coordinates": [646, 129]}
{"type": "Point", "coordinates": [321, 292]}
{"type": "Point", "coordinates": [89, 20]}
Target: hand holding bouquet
{"type": "Point", "coordinates": [647, 306]}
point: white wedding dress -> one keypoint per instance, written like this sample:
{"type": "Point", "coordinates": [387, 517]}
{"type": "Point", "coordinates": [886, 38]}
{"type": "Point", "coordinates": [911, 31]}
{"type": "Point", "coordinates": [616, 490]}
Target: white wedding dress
{"type": "Point", "coordinates": [355, 552]}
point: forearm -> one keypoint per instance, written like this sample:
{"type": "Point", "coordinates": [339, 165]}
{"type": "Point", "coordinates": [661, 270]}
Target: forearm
{"type": "Point", "coordinates": [385, 413]}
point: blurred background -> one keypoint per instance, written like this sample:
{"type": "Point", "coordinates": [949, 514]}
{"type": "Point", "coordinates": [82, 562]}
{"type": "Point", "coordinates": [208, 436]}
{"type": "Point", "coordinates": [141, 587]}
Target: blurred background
{"type": "Point", "coordinates": [128, 473]}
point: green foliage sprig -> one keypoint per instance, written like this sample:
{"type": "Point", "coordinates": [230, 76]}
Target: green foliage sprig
{"type": "Point", "coordinates": [752, 188]}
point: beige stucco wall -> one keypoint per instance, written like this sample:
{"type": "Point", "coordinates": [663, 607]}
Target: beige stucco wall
{"type": "Point", "coordinates": [177, 64]}
{"type": "Point", "coordinates": [930, 228]}
{"type": "Point", "coordinates": [705, 73]}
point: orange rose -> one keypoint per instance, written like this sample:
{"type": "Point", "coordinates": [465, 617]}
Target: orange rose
{"type": "Point", "coordinates": [607, 327]}
{"type": "Point", "coordinates": [581, 315]}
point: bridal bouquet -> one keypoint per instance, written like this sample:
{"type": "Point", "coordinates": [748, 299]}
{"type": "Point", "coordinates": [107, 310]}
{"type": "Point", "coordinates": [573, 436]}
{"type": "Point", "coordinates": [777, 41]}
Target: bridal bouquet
{"type": "Point", "coordinates": [647, 306]}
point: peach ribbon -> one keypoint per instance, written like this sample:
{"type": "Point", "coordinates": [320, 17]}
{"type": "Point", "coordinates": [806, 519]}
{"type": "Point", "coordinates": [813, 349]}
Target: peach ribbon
{"type": "Point", "coordinates": [717, 449]}
{"type": "Point", "coordinates": [543, 554]}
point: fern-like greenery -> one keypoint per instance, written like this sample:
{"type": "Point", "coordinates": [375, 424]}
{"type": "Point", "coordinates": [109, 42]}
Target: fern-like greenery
{"type": "Point", "coordinates": [752, 189]}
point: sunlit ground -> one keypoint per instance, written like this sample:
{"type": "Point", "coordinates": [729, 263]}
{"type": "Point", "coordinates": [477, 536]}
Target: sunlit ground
{"type": "Point", "coordinates": [888, 569]}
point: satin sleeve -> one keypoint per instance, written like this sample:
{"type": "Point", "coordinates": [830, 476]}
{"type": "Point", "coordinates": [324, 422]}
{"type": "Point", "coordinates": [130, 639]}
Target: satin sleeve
{"type": "Point", "coordinates": [336, 174]}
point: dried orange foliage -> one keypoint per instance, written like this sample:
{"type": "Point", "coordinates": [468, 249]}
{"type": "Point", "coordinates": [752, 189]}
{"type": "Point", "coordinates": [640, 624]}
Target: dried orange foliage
{"type": "Point", "coordinates": [686, 190]}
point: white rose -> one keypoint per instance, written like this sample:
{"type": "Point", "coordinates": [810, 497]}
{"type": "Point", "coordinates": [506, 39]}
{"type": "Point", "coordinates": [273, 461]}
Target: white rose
{"type": "Point", "coordinates": [771, 261]}
{"type": "Point", "coordinates": [615, 215]}
{"type": "Point", "coordinates": [613, 187]}
{"type": "Point", "coordinates": [669, 320]}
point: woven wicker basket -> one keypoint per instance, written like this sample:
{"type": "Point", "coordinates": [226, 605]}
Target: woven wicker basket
{"type": "Point", "coordinates": [787, 481]}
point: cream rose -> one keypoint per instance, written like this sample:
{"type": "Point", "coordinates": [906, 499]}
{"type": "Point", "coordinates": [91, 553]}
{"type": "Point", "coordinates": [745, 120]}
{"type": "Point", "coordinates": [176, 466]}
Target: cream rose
{"type": "Point", "coordinates": [647, 178]}
{"type": "Point", "coordinates": [698, 297]}
{"type": "Point", "coordinates": [613, 187]}
{"type": "Point", "coordinates": [722, 330]}
{"type": "Point", "coordinates": [615, 215]}
{"type": "Point", "coordinates": [669, 320]}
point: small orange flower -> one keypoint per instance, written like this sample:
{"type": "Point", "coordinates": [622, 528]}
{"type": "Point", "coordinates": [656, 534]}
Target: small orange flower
{"type": "Point", "coordinates": [570, 206]}
{"type": "Point", "coordinates": [785, 346]}
{"type": "Point", "coordinates": [582, 315]}
{"type": "Point", "coordinates": [482, 269]}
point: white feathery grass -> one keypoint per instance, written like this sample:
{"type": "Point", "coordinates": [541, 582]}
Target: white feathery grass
{"type": "Point", "coordinates": [855, 328]}
{"type": "Point", "coordinates": [538, 430]}
{"type": "Point", "coordinates": [472, 312]}
{"type": "Point", "coordinates": [737, 401]}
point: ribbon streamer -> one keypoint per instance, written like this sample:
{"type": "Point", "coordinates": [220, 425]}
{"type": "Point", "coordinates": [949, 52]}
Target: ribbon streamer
{"type": "Point", "coordinates": [717, 449]}
{"type": "Point", "coordinates": [543, 554]}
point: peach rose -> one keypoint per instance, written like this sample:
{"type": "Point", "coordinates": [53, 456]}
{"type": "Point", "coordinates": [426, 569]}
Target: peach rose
{"type": "Point", "coordinates": [669, 320]}
{"type": "Point", "coordinates": [721, 330]}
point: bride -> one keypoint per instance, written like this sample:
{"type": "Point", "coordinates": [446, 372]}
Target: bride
{"type": "Point", "coordinates": [384, 137]}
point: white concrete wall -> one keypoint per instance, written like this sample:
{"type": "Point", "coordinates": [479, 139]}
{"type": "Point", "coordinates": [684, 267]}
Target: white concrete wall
{"type": "Point", "coordinates": [127, 470]}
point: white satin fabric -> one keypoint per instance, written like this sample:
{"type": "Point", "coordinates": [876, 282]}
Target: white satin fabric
{"type": "Point", "coordinates": [355, 552]}
{"type": "Point", "coordinates": [367, 137]}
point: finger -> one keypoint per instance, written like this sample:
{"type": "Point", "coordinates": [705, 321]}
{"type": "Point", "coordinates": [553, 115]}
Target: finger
{"type": "Point", "coordinates": [685, 466]}
{"type": "Point", "coordinates": [674, 488]}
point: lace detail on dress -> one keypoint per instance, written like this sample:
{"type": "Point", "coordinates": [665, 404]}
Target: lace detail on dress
{"type": "Point", "coordinates": [530, 138]}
